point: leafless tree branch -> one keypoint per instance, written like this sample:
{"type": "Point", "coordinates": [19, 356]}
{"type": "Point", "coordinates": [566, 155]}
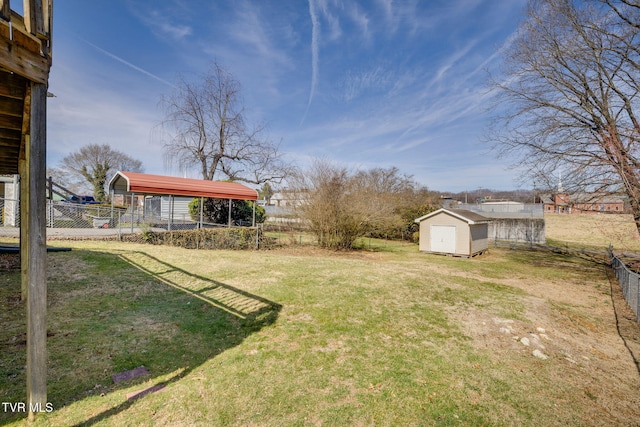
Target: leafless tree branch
{"type": "Point", "coordinates": [571, 93]}
{"type": "Point", "coordinates": [205, 127]}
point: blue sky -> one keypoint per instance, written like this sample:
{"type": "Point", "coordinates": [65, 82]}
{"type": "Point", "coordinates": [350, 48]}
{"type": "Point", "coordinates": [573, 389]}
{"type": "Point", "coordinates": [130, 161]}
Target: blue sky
{"type": "Point", "coordinates": [368, 83]}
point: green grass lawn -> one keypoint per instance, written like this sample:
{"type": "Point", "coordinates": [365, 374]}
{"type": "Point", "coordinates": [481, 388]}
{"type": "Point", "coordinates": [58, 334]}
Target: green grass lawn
{"type": "Point", "coordinates": [302, 336]}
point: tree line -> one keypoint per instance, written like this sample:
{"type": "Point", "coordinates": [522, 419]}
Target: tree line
{"type": "Point", "coordinates": [339, 205]}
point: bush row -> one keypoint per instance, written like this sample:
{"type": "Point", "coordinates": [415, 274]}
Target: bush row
{"type": "Point", "coordinates": [205, 238]}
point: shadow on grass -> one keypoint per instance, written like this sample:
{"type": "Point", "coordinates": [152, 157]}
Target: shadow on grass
{"type": "Point", "coordinates": [254, 310]}
{"type": "Point", "coordinates": [114, 315]}
{"type": "Point", "coordinates": [563, 257]}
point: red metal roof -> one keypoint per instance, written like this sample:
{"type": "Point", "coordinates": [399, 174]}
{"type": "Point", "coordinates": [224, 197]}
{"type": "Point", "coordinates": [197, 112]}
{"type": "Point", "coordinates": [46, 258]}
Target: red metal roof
{"type": "Point", "coordinates": [142, 183]}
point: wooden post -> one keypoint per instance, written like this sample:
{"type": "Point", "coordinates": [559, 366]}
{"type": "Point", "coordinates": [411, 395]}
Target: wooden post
{"type": "Point", "coordinates": [229, 213]}
{"type": "Point", "coordinates": [33, 249]}
{"type": "Point", "coordinates": [5, 10]}
{"type": "Point", "coordinates": [24, 170]}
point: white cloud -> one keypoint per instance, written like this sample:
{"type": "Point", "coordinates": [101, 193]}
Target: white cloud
{"type": "Point", "coordinates": [315, 34]}
{"type": "Point", "coordinates": [128, 64]}
{"type": "Point", "coordinates": [377, 79]}
{"type": "Point", "coordinates": [251, 30]}
{"type": "Point", "coordinates": [450, 62]}
{"type": "Point", "coordinates": [162, 22]}
{"type": "Point", "coordinates": [361, 20]}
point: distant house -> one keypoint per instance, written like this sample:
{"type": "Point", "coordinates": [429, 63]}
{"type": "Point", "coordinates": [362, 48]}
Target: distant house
{"type": "Point", "coordinates": [285, 199]}
{"type": "Point", "coordinates": [582, 203]}
{"type": "Point", "coordinates": [454, 232]}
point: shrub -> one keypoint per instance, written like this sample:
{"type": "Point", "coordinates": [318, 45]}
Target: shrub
{"type": "Point", "coordinates": [206, 238]}
{"type": "Point", "coordinates": [216, 211]}
{"type": "Point", "coordinates": [339, 206]}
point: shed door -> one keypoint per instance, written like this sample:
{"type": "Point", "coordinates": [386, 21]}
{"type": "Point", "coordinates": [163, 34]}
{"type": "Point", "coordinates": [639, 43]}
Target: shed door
{"type": "Point", "coordinates": [443, 238]}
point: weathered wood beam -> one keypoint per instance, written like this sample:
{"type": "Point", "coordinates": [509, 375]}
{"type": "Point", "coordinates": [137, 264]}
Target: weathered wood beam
{"type": "Point", "coordinates": [9, 142]}
{"type": "Point", "coordinates": [33, 249]}
{"type": "Point", "coordinates": [11, 123]}
{"type": "Point", "coordinates": [12, 85]}
{"type": "Point", "coordinates": [5, 10]}
{"type": "Point", "coordinates": [9, 154]}
{"type": "Point", "coordinates": [11, 106]}
{"type": "Point", "coordinates": [12, 93]}
{"type": "Point", "coordinates": [33, 16]}
{"type": "Point", "coordinates": [38, 21]}
{"type": "Point", "coordinates": [7, 169]}
{"type": "Point", "coordinates": [10, 135]}
{"type": "Point", "coordinates": [21, 53]}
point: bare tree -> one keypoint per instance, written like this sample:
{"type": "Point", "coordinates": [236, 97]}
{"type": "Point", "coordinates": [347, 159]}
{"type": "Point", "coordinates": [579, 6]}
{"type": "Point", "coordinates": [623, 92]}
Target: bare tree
{"type": "Point", "coordinates": [618, 7]}
{"type": "Point", "coordinates": [321, 201]}
{"type": "Point", "coordinates": [571, 92]}
{"type": "Point", "coordinates": [205, 127]}
{"type": "Point", "coordinates": [70, 180]}
{"type": "Point", "coordinates": [340, 206]}
{"type": "Point", "coordinates": [97, 164]}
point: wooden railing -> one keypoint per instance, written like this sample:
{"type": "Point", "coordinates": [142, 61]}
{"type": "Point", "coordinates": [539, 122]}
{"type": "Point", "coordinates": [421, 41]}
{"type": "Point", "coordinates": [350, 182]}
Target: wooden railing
{"type": "Point", "coordinates": [26, 40]}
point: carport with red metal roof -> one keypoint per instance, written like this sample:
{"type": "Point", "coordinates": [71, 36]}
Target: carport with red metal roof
{"type": "Point", "coordinates": [134, 183]}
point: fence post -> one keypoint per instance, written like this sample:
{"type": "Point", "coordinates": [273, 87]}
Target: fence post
{"type": "Point", "coordinates": [132, 199]}
{"type": "Point", "coordinates": [51, 214]}
{"type": "Point", "coordinates": [257, 236]}
{"type": "Point", "coordinates": [638, 299]}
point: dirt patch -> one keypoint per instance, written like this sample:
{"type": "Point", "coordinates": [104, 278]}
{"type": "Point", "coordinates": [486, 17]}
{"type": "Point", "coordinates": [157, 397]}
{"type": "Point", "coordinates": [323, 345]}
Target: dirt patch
{"type": "Point", "coordinates": [9, 262]}
{"type": "Point", "coordinates": [586, 336]}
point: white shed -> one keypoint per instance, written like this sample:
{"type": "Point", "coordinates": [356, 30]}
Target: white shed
{"type": "Point", "coordinates": [454, 232]}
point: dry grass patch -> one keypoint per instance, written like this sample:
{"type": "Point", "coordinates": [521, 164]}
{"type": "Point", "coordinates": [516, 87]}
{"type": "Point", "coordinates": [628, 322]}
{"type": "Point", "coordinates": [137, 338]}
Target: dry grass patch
{"type": "Point", "coordinates": [594, 230]}
{"type": "Point", "coordinates": [382, 337]}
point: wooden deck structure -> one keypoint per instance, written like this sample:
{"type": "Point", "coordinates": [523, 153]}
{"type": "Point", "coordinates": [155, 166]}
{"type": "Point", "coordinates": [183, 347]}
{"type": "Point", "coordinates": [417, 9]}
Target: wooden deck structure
{"type": "Point", "coordinates": [25, 61]}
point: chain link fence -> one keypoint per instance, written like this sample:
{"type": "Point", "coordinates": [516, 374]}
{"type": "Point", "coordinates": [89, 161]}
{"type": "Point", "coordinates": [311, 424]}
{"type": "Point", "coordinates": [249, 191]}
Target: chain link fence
{"type": "Point", "coordinates": [66, 220]}
{"type": "Point", "coordinates": [629, 281]}
{"type": "Point", "coordinates": [9, 212]}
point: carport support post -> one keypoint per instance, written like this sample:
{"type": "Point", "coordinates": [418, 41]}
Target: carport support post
{"type": "Point", "coordinates": [230, 212]}
{"type": "Point", "coordinates": [113, 195]}
{"type": "Point", "coordinates": [254, 224]}
{"type": "Point", "coordinates": [201, 210]}
{"type": "Point", "coordinates": [170, 212]}
{"type": "Point", "coordinates": [33, 242]}
{"type": "Point", "coordinates": [133, 195]}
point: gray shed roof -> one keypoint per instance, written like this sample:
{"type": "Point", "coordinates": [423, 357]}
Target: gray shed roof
{"type": "Point", "coordinates": [465, 215]}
